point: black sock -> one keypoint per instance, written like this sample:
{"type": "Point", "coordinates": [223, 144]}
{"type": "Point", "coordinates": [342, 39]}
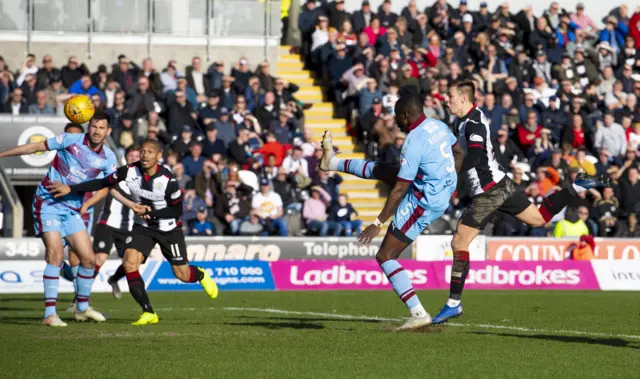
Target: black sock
{"type": "Point", "coordinates": [556, 202]}
{"type": "Point", "coordinates": [459, 273]}
{"type": "Point", "coordinates": [119, 274]}
{"type": "Point", "coordinates": [136, 287]}
{"type": "Point", "coordinates": [195, 275]}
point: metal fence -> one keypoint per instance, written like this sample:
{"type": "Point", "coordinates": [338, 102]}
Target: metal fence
{"type": "Point", "coordinates": [152, 18]}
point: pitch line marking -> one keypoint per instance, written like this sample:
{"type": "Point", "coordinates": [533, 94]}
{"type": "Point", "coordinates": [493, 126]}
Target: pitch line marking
{"type": "Point", "coordinates": [483, 326]}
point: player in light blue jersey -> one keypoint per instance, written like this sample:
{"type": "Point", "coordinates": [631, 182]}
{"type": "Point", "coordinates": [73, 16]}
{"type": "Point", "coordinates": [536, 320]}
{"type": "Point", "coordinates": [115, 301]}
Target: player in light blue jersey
{"type": "Point", "coordinates": [422, 182]}
{"type": "Point", "coordinates": [79, 158]}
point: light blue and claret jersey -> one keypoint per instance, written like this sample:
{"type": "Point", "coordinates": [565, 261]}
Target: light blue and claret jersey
{"type": "Point", "coordinates": [427, 161]}
{"type": "Point", "coordinates": [75, 162]}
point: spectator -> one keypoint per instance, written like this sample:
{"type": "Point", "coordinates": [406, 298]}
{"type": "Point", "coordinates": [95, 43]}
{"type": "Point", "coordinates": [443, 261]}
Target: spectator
{"type": "Point", "coordinates": [117, 110]}
{"type": "Point", "coordinates": [56, 95]}
{"type": "Point", "coordinates": [269, 208]}
{"type": "Point", "coordinates": [611, 136]}
{"type": "Point", "coordinates": [386, 16]}
{"type": "Point", "coordinates": [613, 33]}
{"type": "Point", "coordinates": [529, 131]}
{"type": "Point", "coordinates": [273, 148]}
{"type": "Point", "coordinates": [201, 227]}
{"type": "Point", "coordinates": [193, 162]}
{"type": "Point", "coordinates": [29, 67]}
{"type": "Point", "coordinates": [190, 205]}
{"type": "Point", "coordinates": [41, 106]}
{"type": "Point", "coordinates": [506, 150]}
{"type": "Point", "coordinates": [141, 99]}
{"type": "Point", "coordinates": [283, 128]}
{"type": "Point", "coordinates": [226, 131]}
{"type": "Point", "coordinates": [242, 75]}
{"type": "Point", "coordinates": [183, 141]}
{"type": "Point", "coordinates": [284, 184]}
{"type": "Point", "coordinates": [211, 113]}
{"type": "Point", "coordinates": [251, 226]}
{"type": "Point", "coordinates": [232, 206]}
{"type": "Point", "coordinates": [295, 163]}
{"type": "Point", "coordinates": [374, 31]}
{"type": "Point", "coordinates": [239, 151]}
{"type": "Point", "coordinates": [84, 86]}
{"type": "Point", "coordinates": [605, 212]}
{"type": "Point", "coordinates": [169, 77]}
{"type": "Point", "coordinates": [198, 79]}
{"type": "Point", "coordinates": [152, 120]}
{"type": "Point", "coordinates": [267, 82]}
{"type": "Point", "coordinates": [629, 228]}
{"type": "Point", "coordinates": [576, 136]}
{"type": "Point", "coordinates": [100, 79]}
{"type": "Point", "coordinates": [212, 145]}
{"type": "Point", "coordinates": [254, 94]}
{"type": "Point", "coordinates": [110, 93]}
{"type": "Point", "coordinates": [47, 72]}
{"type": "Point", "coordinates": [180, 114]}
{"type": "Point", "coordinates": [582, 163]}
{"type": "Point", "coordinates": [571, 226]}
{"type": "Point", "coordinates": [362, 18]}
{"type": "Point", "coordinates": [315, 211]}
{"type": "Point", "coordinates": [155, 82]}
{"type": "Point", "coordinates": [329, 183]}
{"type": "Point", "coordinates": [72, 72]}
{"type": "Point", "coordinates": [184, 181]}
{"type": "Point", "coordinates": [227, 93]}
{"type": "Point", "coordinates": [15, 105]}
{"type": "Point", "coordinates": [29, 89]}
{"type": "Point", "coordinates": [337, 14]}
{"type": "Point", "coordinates": [343, 216]}
{"type": "Point", "coordinates": [629, 189]}
{"type": "Point", "coordinates": [125, 73]}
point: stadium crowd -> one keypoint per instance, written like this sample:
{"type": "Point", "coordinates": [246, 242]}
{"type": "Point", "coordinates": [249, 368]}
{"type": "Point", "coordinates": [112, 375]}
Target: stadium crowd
{"type": "Point", "coordinates": [560, 93]}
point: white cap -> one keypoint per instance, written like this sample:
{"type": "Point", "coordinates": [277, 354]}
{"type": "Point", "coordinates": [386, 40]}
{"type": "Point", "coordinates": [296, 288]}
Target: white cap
{"type": "Point", "coordinates": [467, 18]}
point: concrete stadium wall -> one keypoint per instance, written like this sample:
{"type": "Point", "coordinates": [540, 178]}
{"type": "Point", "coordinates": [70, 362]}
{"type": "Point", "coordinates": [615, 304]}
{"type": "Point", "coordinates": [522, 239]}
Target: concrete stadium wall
{"type": "Point", "coordinates": [594, 8]}
{"type": "Point", "coordinates": [105, 50]}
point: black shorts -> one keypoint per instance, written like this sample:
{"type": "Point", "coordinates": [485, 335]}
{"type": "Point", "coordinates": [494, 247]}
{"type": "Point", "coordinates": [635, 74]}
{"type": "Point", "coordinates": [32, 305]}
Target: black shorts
{"type": "Point", "coordinates": [105, 237]}
{"type": "Point", "coordinates": [172, 243]}
{"type": "Point", "coordinates": [503, 197]}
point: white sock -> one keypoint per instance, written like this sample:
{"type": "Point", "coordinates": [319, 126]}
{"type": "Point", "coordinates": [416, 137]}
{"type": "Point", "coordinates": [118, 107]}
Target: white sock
{"type": "Point", "coordinates": [453, 303]}
{"type": "Point", "coordinates": [418, 311]}
{"type": "Point", "coordinates": [333, 163]}
{"type": "Point", "coordinates": [578, 188]}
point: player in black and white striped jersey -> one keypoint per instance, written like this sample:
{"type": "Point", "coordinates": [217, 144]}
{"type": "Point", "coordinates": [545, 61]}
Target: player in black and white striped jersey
{"type": "Point", "coordinates": [156, 189]}
{"type": "Point", "coordinates": [114, 226]}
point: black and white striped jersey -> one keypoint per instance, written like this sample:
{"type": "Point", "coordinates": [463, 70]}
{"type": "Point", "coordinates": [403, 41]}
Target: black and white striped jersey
{"type": "Point", "coordinates": [115, 214]}
{"type": "Point", "coordinates": [474, 136]}
{"type": "Point", "coordinates": [161, 192]}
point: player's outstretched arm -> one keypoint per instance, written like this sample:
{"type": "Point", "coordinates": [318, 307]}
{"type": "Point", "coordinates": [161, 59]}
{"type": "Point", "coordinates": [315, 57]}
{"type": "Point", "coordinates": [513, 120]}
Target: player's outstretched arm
{"type": "Point", "coordinates": [60, 189]}
{"type": "Point", "coordinates": [390, 206]}
{"type": "Point", "coordinates": [138, 208]}
{"type": "Point", "coordinates": [94, 200]}
{"type": "Point", "coordinates": [26, 149]}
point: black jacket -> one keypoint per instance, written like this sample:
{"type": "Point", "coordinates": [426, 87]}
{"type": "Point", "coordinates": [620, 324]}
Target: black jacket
{"type": "Point", "coordinates": [359, 22]}
{"type": "Point", "coordinates": [6, 107]}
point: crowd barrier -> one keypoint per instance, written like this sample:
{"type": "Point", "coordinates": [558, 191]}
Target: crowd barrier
{"type": "Point", "coordinates": [340, 264]}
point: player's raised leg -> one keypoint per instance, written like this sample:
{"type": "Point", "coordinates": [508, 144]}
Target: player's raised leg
{"type": "Point", "coordinates": [556, 202]}
{"type": "Point", "coordinates": [79, 240]}
{"type": "Point", "coordinates": [54, 256]}
{"type": "Point", "coordinates": [361, 168]}
{"type": "Point", "coordinates": [174, 249]}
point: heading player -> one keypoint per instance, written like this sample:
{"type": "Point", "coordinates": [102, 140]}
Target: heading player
{"type": "Point", "coordinates": [422, 182]}
{"type": "Point", "coordinates": [492, 190]}
{"type": "Point", "coordinates": [79, 157]}
{"type": "Point", "coordinates": [157, 189]}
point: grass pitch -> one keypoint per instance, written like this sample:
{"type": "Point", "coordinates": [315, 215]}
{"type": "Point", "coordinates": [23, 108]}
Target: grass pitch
{"type": "Point", "coordinates": [502, 334]}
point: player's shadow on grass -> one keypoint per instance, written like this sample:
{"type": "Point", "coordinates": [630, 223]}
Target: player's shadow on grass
{"type": "Point", "coordinates": [613, 342]}
{"type": "Point", "coordinates": [22, 320]}
{"type": "Point", "coordinates": [8, 299]}
{"type": "Point", "coordinates": [279, 325]}
{"type": "Point", "coordinates": [313, 319]}
{"type": "Point", "coordinates": [16, 309]}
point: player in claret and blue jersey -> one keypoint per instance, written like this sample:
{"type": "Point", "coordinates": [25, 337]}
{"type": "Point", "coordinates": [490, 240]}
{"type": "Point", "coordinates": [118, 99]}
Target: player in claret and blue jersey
{"type": "Point", "coordinates": [79, 158]}
{"type": "Point", "coordinates": [423, 182]}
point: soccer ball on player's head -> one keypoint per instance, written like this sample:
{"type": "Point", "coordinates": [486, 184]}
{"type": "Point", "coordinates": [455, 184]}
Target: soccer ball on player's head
{"type": "Point", "coordinates": [79, 109]}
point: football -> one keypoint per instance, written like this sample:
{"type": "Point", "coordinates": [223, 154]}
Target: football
{"type": "Point", "coordinates": [79, 109]}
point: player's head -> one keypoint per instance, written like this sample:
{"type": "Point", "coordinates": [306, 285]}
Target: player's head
{"type": "Point", "coordinates": [132, 154]}
{"type": "Point", "coordinates": [461, 95]}
{"type": "Point", "coordinates": [408, 109]}
{"type": "Point", "coordinates": [99, 127]}
{"type": "Point", "coordinates": [150, 153]}
{"type": "Point", "coordinates": [72, 128]}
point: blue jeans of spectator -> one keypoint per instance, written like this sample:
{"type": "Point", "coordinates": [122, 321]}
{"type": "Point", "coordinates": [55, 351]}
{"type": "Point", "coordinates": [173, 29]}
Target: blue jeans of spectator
{"type": "Point", "coordinates": [348, 227]}
{"type": "Point", "coordinates": [278, 226]}
{"type": "Point", "coordinates": [322, 227]}
{"type": "Point", "coordinates": [234, 226]}
{"type": "Point", "coordinates": [295, 207]}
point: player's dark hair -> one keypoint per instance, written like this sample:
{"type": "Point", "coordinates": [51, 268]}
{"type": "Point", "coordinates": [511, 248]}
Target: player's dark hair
{"type": "Point", "coordinates": [155, 144]}
{"type": "Point", "coordinates": [71, 125]}
{"type": "Point", "coordinates": [100, 115]}
{"type": "Point", "coordinates": [466, 87]}
{"type": "Point", "coordinates": [410, 103]}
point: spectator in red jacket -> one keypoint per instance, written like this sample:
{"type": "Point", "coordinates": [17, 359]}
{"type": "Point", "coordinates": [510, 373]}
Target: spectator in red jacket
{"type": "Point", "coordinates": [275, 148]}
{"type": "Point", "coordinates": [529, 131]}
